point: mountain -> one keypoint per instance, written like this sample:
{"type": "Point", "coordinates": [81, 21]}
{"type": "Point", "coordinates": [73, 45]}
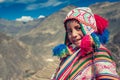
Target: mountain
{"type": "Point", "coordinates": [16, 60]}
{"type": "Point", "coordinates": [48, 33]}
{"type": "Point", "coordinates": [51, 32]}
{"type": "Point", "coordinates": [29, 56]}
{"type": "Point", "coordinates": [111, 12]}
{"type": "Point", "coordinates": [17, 28]}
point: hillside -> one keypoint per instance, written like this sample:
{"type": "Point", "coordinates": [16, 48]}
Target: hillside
{"type": "Point", "coordinates": [17, 28]}
{"type": "Point", "coordinates": [16, 60]}
{"type": "Point", "coordinates": [51, 32]}
{"type": "Point", "coordinates": [27, 55]}
{"type": "Point", "coordinates": [111, 12]}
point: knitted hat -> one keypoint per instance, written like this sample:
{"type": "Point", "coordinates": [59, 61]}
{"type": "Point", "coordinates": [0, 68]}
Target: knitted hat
{"type": "Point", "coordinates": [85, 16]}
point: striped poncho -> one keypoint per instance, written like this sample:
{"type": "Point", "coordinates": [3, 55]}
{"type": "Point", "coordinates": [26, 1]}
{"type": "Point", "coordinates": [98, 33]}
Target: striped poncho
{"type": "Point", "coordinates": [97, 65]}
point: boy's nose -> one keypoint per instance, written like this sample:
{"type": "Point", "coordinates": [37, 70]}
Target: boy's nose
{"type": "Point", "coordinates": [74, 33]}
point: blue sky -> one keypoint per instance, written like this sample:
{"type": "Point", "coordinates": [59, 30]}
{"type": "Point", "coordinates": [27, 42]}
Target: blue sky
{"type": "Point", "coordinates": [33, 9]}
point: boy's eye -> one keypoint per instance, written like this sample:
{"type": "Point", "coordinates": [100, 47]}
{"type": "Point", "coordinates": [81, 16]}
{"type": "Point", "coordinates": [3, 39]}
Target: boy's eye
{"type": "Point", "coordinates": [78, 28]}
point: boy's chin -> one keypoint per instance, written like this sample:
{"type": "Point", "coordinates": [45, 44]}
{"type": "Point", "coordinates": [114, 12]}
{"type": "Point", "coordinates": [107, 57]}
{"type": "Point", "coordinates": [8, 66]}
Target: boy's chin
{"type": "Point", "coordinates": [77, 45]}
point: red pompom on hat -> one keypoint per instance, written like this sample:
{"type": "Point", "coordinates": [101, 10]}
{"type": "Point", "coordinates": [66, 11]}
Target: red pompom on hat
{"type": "Point", "coordinates": [86, 44]}
{"type": "Point", "coordinates": [101, 23]}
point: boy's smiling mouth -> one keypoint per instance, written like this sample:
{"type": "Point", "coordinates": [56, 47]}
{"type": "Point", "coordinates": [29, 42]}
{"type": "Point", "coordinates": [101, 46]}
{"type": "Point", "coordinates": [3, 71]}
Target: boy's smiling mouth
{"type": "Point", "coordinates": [76, 40]}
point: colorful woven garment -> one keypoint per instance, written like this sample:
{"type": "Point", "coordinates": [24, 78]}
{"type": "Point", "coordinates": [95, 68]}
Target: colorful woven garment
{"type": "Point", "coordinates": [99, 66]}
{"type": "Point", "coordinates": [91, 61]}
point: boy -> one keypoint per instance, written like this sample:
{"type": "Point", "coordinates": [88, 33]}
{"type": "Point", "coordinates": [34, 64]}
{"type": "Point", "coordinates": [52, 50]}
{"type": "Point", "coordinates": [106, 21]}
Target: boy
{"type": "Point", "coordinates": [84, 56]}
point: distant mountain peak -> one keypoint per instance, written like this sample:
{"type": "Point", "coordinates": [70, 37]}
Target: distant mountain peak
{"type": "Point", "coordinates": [104, 4]}
{"type": "Point", "coordinates": [68, 8]}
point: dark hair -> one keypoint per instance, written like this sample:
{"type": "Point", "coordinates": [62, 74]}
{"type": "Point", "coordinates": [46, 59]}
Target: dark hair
{"type": "Point", "coordinates": [69, 21]}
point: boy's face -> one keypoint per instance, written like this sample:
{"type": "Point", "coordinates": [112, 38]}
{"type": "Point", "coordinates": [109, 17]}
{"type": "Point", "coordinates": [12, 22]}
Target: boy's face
{"type": "Point", "coordinates": [75, 34]}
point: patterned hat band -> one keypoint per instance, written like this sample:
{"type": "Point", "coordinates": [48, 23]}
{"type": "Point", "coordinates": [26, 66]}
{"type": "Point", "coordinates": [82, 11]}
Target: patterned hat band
{"type": "Point", "coordinates": [85, 16]}
{"type": "Point", "coordinates": [83, 22]}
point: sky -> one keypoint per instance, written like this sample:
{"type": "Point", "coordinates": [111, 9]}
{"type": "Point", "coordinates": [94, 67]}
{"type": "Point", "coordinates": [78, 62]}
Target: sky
{"type": "Point", "coordinates": [26, 10]}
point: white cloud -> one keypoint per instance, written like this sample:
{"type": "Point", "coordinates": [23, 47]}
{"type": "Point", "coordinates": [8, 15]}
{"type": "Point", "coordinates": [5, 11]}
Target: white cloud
{"type": "Point", "coordinates": [33, 6]}
{"type": "Point", "coordinates": [25, 1]}
{"type": "Point", "coordinates": [18, 1]}
{"type": "Point", "coordinates": [42, 5]}
{"type": "Point", "coordinates": [58, 3]}
{"type": "Point", "coordinates": [2, 1]}
{"type": "Point", "coordinates": [25, 18]}
{"type": "Point", "coordinates": [51, 3]}
{"type": "Point", "coordinates": [41, 16]}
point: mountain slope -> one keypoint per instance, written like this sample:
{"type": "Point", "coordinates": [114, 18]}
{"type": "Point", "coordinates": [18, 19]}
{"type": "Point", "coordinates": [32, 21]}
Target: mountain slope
{"type": "Point", "coordinates": [29, 56]}
{"type": "Point", "coordinates": [51, 32]}
{"type": "Point", "coordinates": [111, 12]}
{"type": "Point", "coordinates": [16, 60]}
{"type": "Point", "coordinates": [17, 28]}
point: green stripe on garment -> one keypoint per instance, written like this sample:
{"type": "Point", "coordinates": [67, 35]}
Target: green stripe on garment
{"type": "Point", "coordinates": [79, 66]}
{"type": "Point", "coordinates": [96, 56]}
{"type": "Point", "coordinates": [101, 50]}
{"type": "Point", "coordinates": [106, 52]}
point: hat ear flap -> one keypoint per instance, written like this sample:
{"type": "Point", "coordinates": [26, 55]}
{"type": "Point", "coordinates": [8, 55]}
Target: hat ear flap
{"type": "Point", "coordinates": [67, 41]}
{"type": "Point", "coordinates": [101, 23]}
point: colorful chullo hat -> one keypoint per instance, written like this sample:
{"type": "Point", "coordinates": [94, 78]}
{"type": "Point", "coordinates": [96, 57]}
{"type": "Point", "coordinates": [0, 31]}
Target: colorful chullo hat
{"type": "Point", "coordinates": [85, 16]}
{"type": "Point", "coordinates": [93, 27]}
